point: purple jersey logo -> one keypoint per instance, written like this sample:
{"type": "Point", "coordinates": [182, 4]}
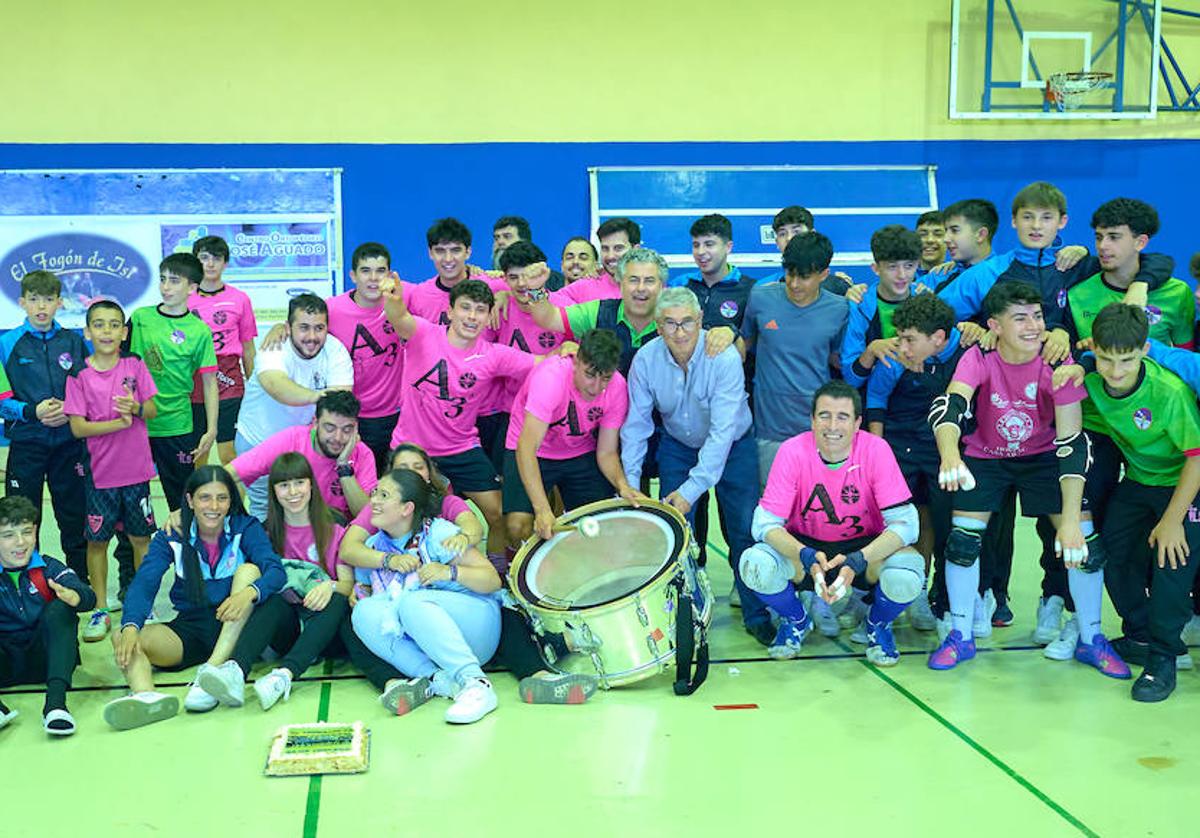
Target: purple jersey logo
{"type": "Point", "coordinates": [1153, 314]}
{"type": "Point", "coordinates": [1061, 299]}
{"type": "Point", "coordinates": [178, 337]}
{"type": "Point", "coordinates": [595, 414]}
{"type": "Point", "coordinates": [547, 340]}
{"type": "Point", "coordinates": [65, 361]}
{"type": "Point", "coordinates": [1142, 418]}
{"type": "Point", "coordinates": [729, 309]}
{"type": "Point", "coordinates": [850, 493]}
{"type": "Point", "coordinates": [219, 317]}
{"type": "Point", "coordinates": [467, 380]}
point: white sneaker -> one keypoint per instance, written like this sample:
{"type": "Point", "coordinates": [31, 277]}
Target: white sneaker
{"type": "Point", "coordinates": [859, 635]}
{"type": "Point", "coordinates": [944, 626]}
{"type": "Point", "coordinates": [273, 686]}
{"type": "Point", "coordinates": [985, 607]}
{"type": "Point", "coordinates": [1063, 647]}
{"type": "Point", "coordinates": [920, 615]}
{"type": "Point", "coordinates": [1184, 661]}
{"type": "Point", "coordinates": [197, 700]}
{"type": "Point", "coordinates": [225, 683]}
{"type": "Point", "coordinates": [735, 601]}
{"type": "Point", "coordinates": [474, 701]}
{"type": "Point", "coordinates": [1049, 620]}
{"type": "Point", "coordinates": [5, 718]}
{"type": "Point", "coordinates": [59, 722]}
{"type": "Point", "coordinates": [139, 709]}
{"type": "Point", "coordinates": [1191, 631]}
{"type": "Point", "coordinates": [854, 613]}
{"type": "Point", "coordinates": [823, 618]}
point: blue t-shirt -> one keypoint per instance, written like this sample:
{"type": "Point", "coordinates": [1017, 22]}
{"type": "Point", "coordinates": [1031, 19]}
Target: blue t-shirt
{"type": "Point", "coordinates": [792, 346]}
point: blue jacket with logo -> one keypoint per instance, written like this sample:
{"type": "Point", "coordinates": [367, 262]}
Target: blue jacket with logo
{"type": "Point", "coordinates": [38, 365]}
{"type": "Point", "coordinates": [21, 605]}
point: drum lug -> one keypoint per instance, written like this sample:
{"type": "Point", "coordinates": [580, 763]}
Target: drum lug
{"type": "Point", "coordinates": [642, 615]}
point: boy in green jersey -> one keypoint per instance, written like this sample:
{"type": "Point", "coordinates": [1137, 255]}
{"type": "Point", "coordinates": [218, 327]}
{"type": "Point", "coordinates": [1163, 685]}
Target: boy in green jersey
{"type": "Point", "coordinates": [175, 345]}
{"type": "Point", "coordinates": [1123, 227]}
{"type": "Point", "coordinates": [1152, 524]}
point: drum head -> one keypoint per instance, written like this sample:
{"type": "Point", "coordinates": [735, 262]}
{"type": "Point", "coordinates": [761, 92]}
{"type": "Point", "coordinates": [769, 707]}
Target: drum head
{"type": "Point", "coordinates": [573, 571]}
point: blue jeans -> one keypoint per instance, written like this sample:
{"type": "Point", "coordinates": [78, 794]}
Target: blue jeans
{"type": "Point", "coordinates": [737, 496]}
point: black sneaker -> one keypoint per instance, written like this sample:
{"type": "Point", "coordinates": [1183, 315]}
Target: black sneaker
{"type": "Point", "coordinates": [1157, 682]}
{"type": "Point", "coordinates": [1132, 651]}
{"type": "Point", "coordinates": [1003, 615]}
{"type": "Point", "coordinates": [762, 631]}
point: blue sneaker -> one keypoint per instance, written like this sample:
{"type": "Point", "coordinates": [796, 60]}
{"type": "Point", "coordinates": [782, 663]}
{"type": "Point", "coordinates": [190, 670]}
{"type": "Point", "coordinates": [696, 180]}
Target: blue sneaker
{"type": "Point", "coordinates": [789, 638]}
{"type": "Point", "coordinates": [953, 651]}
{"type": "Point", "coordinates": [881, 644]}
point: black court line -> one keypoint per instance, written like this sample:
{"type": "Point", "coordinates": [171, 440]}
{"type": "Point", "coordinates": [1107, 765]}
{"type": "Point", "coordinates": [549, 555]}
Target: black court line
{"type": "Point", "coordinates": [979, 749]}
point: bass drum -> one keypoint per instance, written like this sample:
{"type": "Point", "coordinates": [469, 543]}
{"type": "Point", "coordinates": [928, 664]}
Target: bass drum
{"type": "Point", "coordinates": [616, 596]}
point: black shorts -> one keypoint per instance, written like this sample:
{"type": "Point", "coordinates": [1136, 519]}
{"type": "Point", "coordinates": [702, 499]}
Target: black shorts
{"type": "Point", "coordinates": [578, 480]}
{"type": "Point", "coordinates": [470, 472]}
{"type": "Point", "coordinates": [376, 433]}
{"type": "Point", "coordinates": [173, 459]}
{"type": "Point", "coordinates": [493, 430]}
{"type": "Point", "coordinates": [197, 629]}
{"type": "Point", "coordinates": [1034, 477]}
{"type": "Point", "coordinates": [128, 506]}
{"type": "Point", "coordinates": [227, 416]}
{"type": "Point", "coordinates": [920, 469]}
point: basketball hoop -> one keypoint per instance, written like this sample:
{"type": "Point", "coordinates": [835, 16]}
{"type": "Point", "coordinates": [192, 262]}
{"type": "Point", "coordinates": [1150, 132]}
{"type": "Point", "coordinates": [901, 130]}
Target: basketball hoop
{"type": "Point", "coordinates": [1068, 90]}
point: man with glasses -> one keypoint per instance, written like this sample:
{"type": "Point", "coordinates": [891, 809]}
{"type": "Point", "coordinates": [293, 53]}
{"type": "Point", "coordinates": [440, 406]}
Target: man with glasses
{"type": "Point", "coordinates": [707, 437]}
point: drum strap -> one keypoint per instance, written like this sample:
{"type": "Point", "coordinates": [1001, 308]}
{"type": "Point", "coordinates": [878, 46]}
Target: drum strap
{"type": "Point", "coordinates": [685, 644]}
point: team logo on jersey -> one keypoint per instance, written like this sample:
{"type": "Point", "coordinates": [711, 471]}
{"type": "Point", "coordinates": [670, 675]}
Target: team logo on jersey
{"type": "Point", "coordinates": [129, 383]}
{"type": "Point", "coordinates": [999, 402]}
{"type": "Point", "coordinates": [1153, 314]}
{"type": "Point", "coordinates": [219, 317]}
{"type": "Point", "coordinates": [850, 493]}
{"type": "Point", "coordinates": [467, 380]}
{"type": "Point", "coordinates": [65, 361]}
{"type": "Point", "coordinates": [178, 337]}
{"type": "Point", "coordinates": [729, 309]}
{"type": "Point", "coordinates": [1014, 426]}
{"type": "Point", "coordinates": [594, 414]}
{"type": "Point", "coordinates": [387, 328]}
{"type": "Point", "coordinates": [1031, 390]}
{"type": "Point", "coordinates": [318, 381]}
{"type": "Point", "coordinates": [1061, 299]}
{"type": "Point", "coordinates": [1142, 418]}
{"type": "Point", "coordinates": [547, 340]}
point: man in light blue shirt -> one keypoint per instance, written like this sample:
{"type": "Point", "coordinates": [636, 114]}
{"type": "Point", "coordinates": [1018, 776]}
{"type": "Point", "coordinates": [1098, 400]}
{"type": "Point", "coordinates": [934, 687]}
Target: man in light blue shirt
{"type": "Point", "coordinates": [707, 432]}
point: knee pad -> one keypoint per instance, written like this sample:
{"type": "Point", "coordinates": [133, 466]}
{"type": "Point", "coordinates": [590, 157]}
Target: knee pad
{"type": "Point", "coordinates": [1097, 556]}
{"type": "Point", "coordinates": [759, 570]}
{"type": "Point", "coordinates": [964, 546]}
{"type": "Point", "coordinates": [902, 578]}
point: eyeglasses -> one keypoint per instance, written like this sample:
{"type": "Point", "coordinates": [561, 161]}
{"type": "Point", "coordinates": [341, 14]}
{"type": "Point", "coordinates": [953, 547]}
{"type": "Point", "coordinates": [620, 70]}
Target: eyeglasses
{"type": "Point", "coordinates": [670, 327]}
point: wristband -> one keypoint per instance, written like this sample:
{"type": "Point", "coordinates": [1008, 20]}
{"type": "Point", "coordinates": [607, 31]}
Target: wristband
{"type": "Point", "coordinates": [345, 470]}
{"type": "Point", "coordinates": [453, 573]}
{"type": "Point", "coordinates": [808, 558]}
{"type": "Point", "coordinates": [537, 294]}
{"type": "Point", "coordinates": [139, 409]}
{"type": "Point", "coordinates": [857, 562]}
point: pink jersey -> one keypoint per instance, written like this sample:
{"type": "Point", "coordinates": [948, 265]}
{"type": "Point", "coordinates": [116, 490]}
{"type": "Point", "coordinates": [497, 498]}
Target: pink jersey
{"type": "Point", "coordinates": [431, 299]}
{"type": "Point", "coordinates": [518, 330]}
{"type": "Point", "coordinates": [549, 394]}
{"type": "Point", "coordinates": [445, 387]}
{"type": "Point", "coordinates": [121, 458]}
{"type": "Point", "coordinates": [298, 543]}
{"type": "Point", "coordinates": [375, 350]}
{"type": "Point", "coordinates": [230, 317]}
{"type": "Point", "coordinates": [834, 505]}
{"type": "Point", "coordinates": [452, 507]}
{"type": "Point", "coordinates": [302, 439]}
{"type": "Point", "coordinates": [588, 288]}
{"type": "Point", "coordinates": [1014, 404]}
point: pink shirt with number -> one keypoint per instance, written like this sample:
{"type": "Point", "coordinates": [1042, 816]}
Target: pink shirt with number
{"type": "Point", "coordinates": [375, 351]}
{"type": "Point", "coordinates": [549, 394]}
{"type": "Point", "coordinates": [445, 386]}
{"type": "Point", "coordinates": [121, 458]}
{"type": "Point", "coordinates": [298, 543]}
{"type": "Point", "coordinates": [834, 505]}
{"type": "Point", "coordinates": [301, 439]}
{"type": "Point", "coordinates": [431, 300]}
{"type": "Point", "coordinates": [452, 507]}
{"type": "Point", "coordinates": [1014, 405]}
{"type": "Point", "coordinates": [519, 331]}
{"type": "Point", "coordinates": [230, 316]}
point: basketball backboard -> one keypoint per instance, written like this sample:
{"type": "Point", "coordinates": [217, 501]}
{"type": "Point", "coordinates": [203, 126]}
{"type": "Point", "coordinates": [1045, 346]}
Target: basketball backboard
{"type": "Point", "coordinates": [1003, 51]}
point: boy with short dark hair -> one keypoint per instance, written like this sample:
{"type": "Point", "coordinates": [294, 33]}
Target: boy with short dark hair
{"type": "Point", "coordinates": [229, 315]}
{"type": "Point", "coordinates": [870, 336]}
{"type": "Point", "coordinates": [109, 403]}
{"type": "Point", "coordinates": [616, 236]}
{"type": "Point", "coordinates": [38, 356]}
{"type": "Point", "coordinates": [931, 228]}
{"type": "Point", "coordinates": [175, 344]}
{"type": "Point", "coordinates": [1152, 417]}
{"type": "Point", "coordinates": [40, 599]}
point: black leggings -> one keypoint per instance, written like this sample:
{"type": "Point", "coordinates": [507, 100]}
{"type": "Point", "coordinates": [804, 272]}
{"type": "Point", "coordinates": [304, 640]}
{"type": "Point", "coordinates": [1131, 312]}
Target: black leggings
{"type": "Point", "coordinates": [518, 652]}
{"type": "Point", "coordinates": [277, 623]}
{"type": "Point", "coordinates": [50, 655]}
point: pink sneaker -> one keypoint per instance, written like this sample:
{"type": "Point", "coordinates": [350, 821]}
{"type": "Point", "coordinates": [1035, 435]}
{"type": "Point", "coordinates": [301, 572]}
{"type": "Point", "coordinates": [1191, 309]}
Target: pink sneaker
{"type": "Point", "coordinates": [953, 651]}
{"type": "Point", "coordinates": [1100, 654]}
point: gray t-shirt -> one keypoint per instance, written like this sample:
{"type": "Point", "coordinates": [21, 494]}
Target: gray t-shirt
{"type": "Point", "coordinates": [792, 346]}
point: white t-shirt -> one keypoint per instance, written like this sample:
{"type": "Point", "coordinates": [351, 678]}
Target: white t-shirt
{"type": "Point", "coordinates": [261, 416]}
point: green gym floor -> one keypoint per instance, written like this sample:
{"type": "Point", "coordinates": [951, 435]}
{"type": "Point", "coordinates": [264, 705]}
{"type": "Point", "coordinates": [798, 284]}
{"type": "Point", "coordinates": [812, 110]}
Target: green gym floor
{"type": "Point", "coordinates": [1010, 744]}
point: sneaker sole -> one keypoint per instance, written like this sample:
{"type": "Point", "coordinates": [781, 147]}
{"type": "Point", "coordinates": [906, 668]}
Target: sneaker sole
{"type": "Point", "coordinates": [468, 720]}
{"type": "Point", "coordinates": [1054, 655]}
{"type": "Point", "coordinates": [570, 689]}
{"type": "Point", "coordinates": [402, 702]}
{"type": "Point", "coordinates": [214, 686]}
{"type": "Point", "coordinates": [782, 654]}
{"type": "Point", "coordinates": [128, 715]}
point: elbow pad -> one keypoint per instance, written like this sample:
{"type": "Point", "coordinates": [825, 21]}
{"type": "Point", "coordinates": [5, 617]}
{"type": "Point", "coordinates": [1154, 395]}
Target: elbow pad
{"type": "Point", "coordinates": [1074, 456]}
{"type": "Point", "coordinates": [948, 409]}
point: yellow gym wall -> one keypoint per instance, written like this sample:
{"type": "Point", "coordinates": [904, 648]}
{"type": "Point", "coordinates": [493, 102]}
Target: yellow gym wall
{"type": "Point", "coordinates": [372, 71]}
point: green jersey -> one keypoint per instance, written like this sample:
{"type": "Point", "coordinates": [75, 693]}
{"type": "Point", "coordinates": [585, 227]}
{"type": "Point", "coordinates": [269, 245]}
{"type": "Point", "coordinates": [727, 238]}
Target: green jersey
{"type": "Point", "coordinates": [1171, 308]}
{"type": "Point", "coordinates": [886, 312]}
{"type": "Point", "coordinates": [1156, 426]}
{"type": "Point", "coordinates": [5, 387]}
{"type": "Point", "coordinates": [174, 348]}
